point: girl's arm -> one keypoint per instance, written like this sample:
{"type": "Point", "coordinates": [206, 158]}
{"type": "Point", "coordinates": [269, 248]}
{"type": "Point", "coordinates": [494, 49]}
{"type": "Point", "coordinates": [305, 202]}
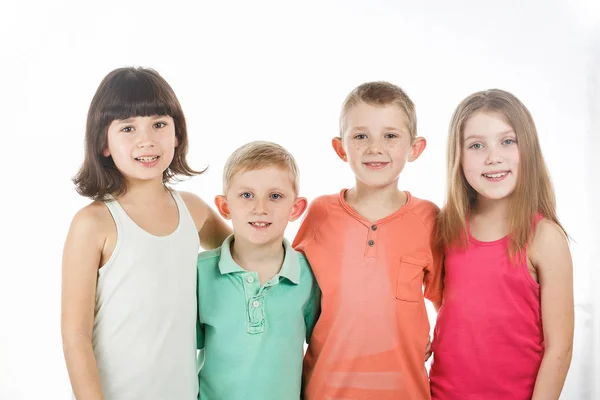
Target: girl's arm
{"type": "Point", "coordinates": [212, 229]}
{"type": "Point", "coordinates": [549, 253]}
{"type": "Point", "coordinates": [81, 259]}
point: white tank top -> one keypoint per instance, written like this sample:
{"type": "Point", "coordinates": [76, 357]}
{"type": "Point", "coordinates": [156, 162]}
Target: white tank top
{"type": "Point", "coordinates": [144, 334]}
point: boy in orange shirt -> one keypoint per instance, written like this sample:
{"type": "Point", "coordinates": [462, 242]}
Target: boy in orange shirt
{"type": "Point", "coordinates": [373, 250]}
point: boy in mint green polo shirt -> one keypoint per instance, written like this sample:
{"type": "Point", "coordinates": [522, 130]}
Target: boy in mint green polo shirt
{"type": "Point", "coordinates": [258, 300]}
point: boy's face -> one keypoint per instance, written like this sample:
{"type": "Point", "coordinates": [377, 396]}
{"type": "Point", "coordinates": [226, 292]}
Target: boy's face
{"type": "Point", "coordinates": [377, 143]}
{"type": "Point", "coordinates": [260, 203]}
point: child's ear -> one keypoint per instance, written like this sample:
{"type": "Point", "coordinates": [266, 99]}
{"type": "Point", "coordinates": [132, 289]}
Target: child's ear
{"type": "Point", "coordinates": [222, 206]}
{"type": "Point", "coordinates": [298, 209]}
{"type": "Point", "coordinates": [336, 142]}
{"type": "Point", "coordinates": [417, 147]}
{"type": "Point", "coordinates": [106, 152]}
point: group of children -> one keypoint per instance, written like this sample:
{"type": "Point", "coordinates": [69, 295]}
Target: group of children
{"type": "Point", "coordinates": [138, 301]}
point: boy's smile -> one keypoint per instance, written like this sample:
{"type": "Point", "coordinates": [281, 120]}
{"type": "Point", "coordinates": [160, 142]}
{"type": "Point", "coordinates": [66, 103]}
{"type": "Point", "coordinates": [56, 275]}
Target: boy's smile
{"type": "Point", "coordinates": [375, 165]}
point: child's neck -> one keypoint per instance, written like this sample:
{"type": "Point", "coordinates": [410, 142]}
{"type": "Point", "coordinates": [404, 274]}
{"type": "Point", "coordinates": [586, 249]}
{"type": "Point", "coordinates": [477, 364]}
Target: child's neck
{"type": "Point", "coordinates": [489, 219]}
{"type": "Point", "coordinates": [145, 193]}
{"type": "Point", "coordinates": [265, 259]}
{"type": "Point", "coordinates": [375, 203]}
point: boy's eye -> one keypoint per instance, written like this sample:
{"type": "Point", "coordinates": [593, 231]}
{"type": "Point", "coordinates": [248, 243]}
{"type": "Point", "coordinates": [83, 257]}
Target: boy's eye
{"type": "Point", "coordinates": [360, 136]}
{"type": "Point", "coordinates": [390, 135]}
{"type": "Point", "coordinates": [246, 195]}
{"type": "Point", "coordinates": [159, 125]}
{"type": "Point", "coordinates": [276, 196]}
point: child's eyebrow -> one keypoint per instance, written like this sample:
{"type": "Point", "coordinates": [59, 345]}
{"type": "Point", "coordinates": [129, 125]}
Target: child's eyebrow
{"type": "Point", "coordinates": [248, 189]}
{"type": "Point", "coordinates": [472, 137]}
{"type": "Point", "coordinates": [386, 128]}
{"type": "Point", "coordinates": [502, 133]}
{"type": "Point", "coordinates": [126, 121]}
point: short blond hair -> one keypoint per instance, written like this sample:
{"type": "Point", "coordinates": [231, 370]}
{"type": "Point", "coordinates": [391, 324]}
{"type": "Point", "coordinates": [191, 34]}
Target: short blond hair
{"type": "Point", "coordinates": [259, 155]}
{"type": "Point", "coordinates": [380, 94]}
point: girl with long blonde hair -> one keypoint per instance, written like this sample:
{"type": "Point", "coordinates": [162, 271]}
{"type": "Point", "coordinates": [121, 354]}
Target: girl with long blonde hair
{"type": "Point", "coordinates": [505, 328]}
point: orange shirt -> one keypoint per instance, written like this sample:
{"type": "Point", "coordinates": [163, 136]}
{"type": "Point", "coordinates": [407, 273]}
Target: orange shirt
{"type": "Point", "coordinates": [370, 340]}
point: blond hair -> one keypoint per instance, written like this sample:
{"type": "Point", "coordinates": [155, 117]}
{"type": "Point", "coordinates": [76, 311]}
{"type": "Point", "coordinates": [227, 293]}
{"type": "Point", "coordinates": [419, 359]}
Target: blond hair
{"type": "Point", "coordinates": [380, 94]}
{"type": "Point", "coordinates": [533, 193]}
{"type": "Point", "coordinates": [259, 155]}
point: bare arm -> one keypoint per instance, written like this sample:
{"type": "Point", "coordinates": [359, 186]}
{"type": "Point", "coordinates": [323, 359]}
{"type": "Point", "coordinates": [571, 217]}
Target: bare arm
{"type": "Point", "coordinates": [549, 253]}
{"type": "Point", "coordinates": [81, 258]}
{"type": "Point", "coordinates": [212, 229]}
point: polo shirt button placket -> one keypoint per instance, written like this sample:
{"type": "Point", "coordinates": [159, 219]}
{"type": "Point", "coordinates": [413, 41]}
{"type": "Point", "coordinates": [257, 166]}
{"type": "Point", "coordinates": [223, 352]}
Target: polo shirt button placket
{"type": "Point", "coordinates": [256, 315]}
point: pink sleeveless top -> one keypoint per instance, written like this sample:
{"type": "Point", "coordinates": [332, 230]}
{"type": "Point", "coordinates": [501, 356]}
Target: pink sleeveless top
{"type": "Point", "coordinates": [488, 340]}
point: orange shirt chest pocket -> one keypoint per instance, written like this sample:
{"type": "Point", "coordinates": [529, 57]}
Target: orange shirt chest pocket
{"type": "Point", "coordinates": [409, 279]}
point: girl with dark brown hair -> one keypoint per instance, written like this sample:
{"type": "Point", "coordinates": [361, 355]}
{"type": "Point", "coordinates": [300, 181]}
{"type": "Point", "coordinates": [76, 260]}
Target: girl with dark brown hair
{"type": "Point", "coordinates": [129, 262]}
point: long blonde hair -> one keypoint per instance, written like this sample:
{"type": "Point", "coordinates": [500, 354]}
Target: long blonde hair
{"type": "Point", "coordinates": [533, 193]}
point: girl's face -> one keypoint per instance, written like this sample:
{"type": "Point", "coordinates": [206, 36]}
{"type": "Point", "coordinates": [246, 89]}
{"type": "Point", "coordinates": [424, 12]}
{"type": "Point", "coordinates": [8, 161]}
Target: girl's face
{"type": "Point", "coordinates": [142, 148]}
{"type": "Point", "coordinates": [490, 156]}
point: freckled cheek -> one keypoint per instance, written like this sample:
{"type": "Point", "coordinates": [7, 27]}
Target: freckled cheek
{"type": "Point", "coordinates": [395, 145]}
{"type": "Point", "coordinates": [357, 146]}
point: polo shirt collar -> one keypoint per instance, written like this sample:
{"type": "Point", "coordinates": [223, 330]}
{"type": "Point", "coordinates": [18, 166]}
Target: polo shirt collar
{"type": "Point", "coordinates": [290, 269]}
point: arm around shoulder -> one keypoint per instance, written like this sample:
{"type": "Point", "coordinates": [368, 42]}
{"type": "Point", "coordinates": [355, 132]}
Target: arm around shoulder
{"type": "Point", "coordinates": [549, 253]}
{"type": "Point", "coordinates": [311, 222]}
{"type": "Point", "coordinates": [82, 255]}
{"type": "Point", "coordinates": [212, 229]}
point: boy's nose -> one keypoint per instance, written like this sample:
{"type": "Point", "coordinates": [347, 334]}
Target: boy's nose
{"type": "Point", "coordinates": [374, 146]}
{"type": "Point", "coordinates": [260, 207]}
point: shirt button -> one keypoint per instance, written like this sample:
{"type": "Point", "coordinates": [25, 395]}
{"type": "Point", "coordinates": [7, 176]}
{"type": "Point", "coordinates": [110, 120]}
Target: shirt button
{"type": "Point", "coordinates": [255, 304]}
{"type": "Point", "coordinates": [373, 227]}
{"type": "Point", "coordinates": [371, 242]}
{"type": "Point", "coordinates": [250, 279]}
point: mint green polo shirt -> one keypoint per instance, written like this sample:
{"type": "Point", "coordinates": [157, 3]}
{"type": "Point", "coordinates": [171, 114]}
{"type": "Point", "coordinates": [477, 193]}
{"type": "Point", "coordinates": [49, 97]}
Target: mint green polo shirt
{"type": "Point", "coordinates": [253, 336]}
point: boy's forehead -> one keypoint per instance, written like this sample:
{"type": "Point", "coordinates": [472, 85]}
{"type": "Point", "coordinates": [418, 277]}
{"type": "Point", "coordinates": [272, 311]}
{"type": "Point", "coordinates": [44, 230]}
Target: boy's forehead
{"type": "Point", "coordinates": [266, 176]}
{"type": "Point", "coordinates": [365, 115]}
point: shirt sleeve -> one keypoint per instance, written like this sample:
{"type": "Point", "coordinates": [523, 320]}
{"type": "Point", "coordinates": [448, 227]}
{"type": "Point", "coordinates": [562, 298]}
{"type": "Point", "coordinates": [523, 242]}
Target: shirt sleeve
{"type": "Point", "coordinates": [199, 327]}
{"type": "Point", "coordinates": [199, 336]}
{"type": "Point", "coordinates": [434, 277]}
{"type": "Point", "coordinates": [312, 310]}
{"type": "Point", "coordinates": [311, 221]}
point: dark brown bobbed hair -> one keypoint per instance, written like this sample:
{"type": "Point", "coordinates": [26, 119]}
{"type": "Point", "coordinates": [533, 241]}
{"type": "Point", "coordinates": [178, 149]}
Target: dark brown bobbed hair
{"type": "Point", "coordinates": [125, 93]}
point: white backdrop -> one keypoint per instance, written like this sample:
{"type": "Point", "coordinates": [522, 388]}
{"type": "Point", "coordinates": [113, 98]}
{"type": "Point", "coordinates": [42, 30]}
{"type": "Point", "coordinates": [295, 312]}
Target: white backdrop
{"type": "Point", "coordinates": [279, 71]}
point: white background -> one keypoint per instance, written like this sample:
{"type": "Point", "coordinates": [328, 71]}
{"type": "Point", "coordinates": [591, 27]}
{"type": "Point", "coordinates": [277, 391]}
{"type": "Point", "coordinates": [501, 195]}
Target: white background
{"type": "Point", "coordinates": [279, 71]}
